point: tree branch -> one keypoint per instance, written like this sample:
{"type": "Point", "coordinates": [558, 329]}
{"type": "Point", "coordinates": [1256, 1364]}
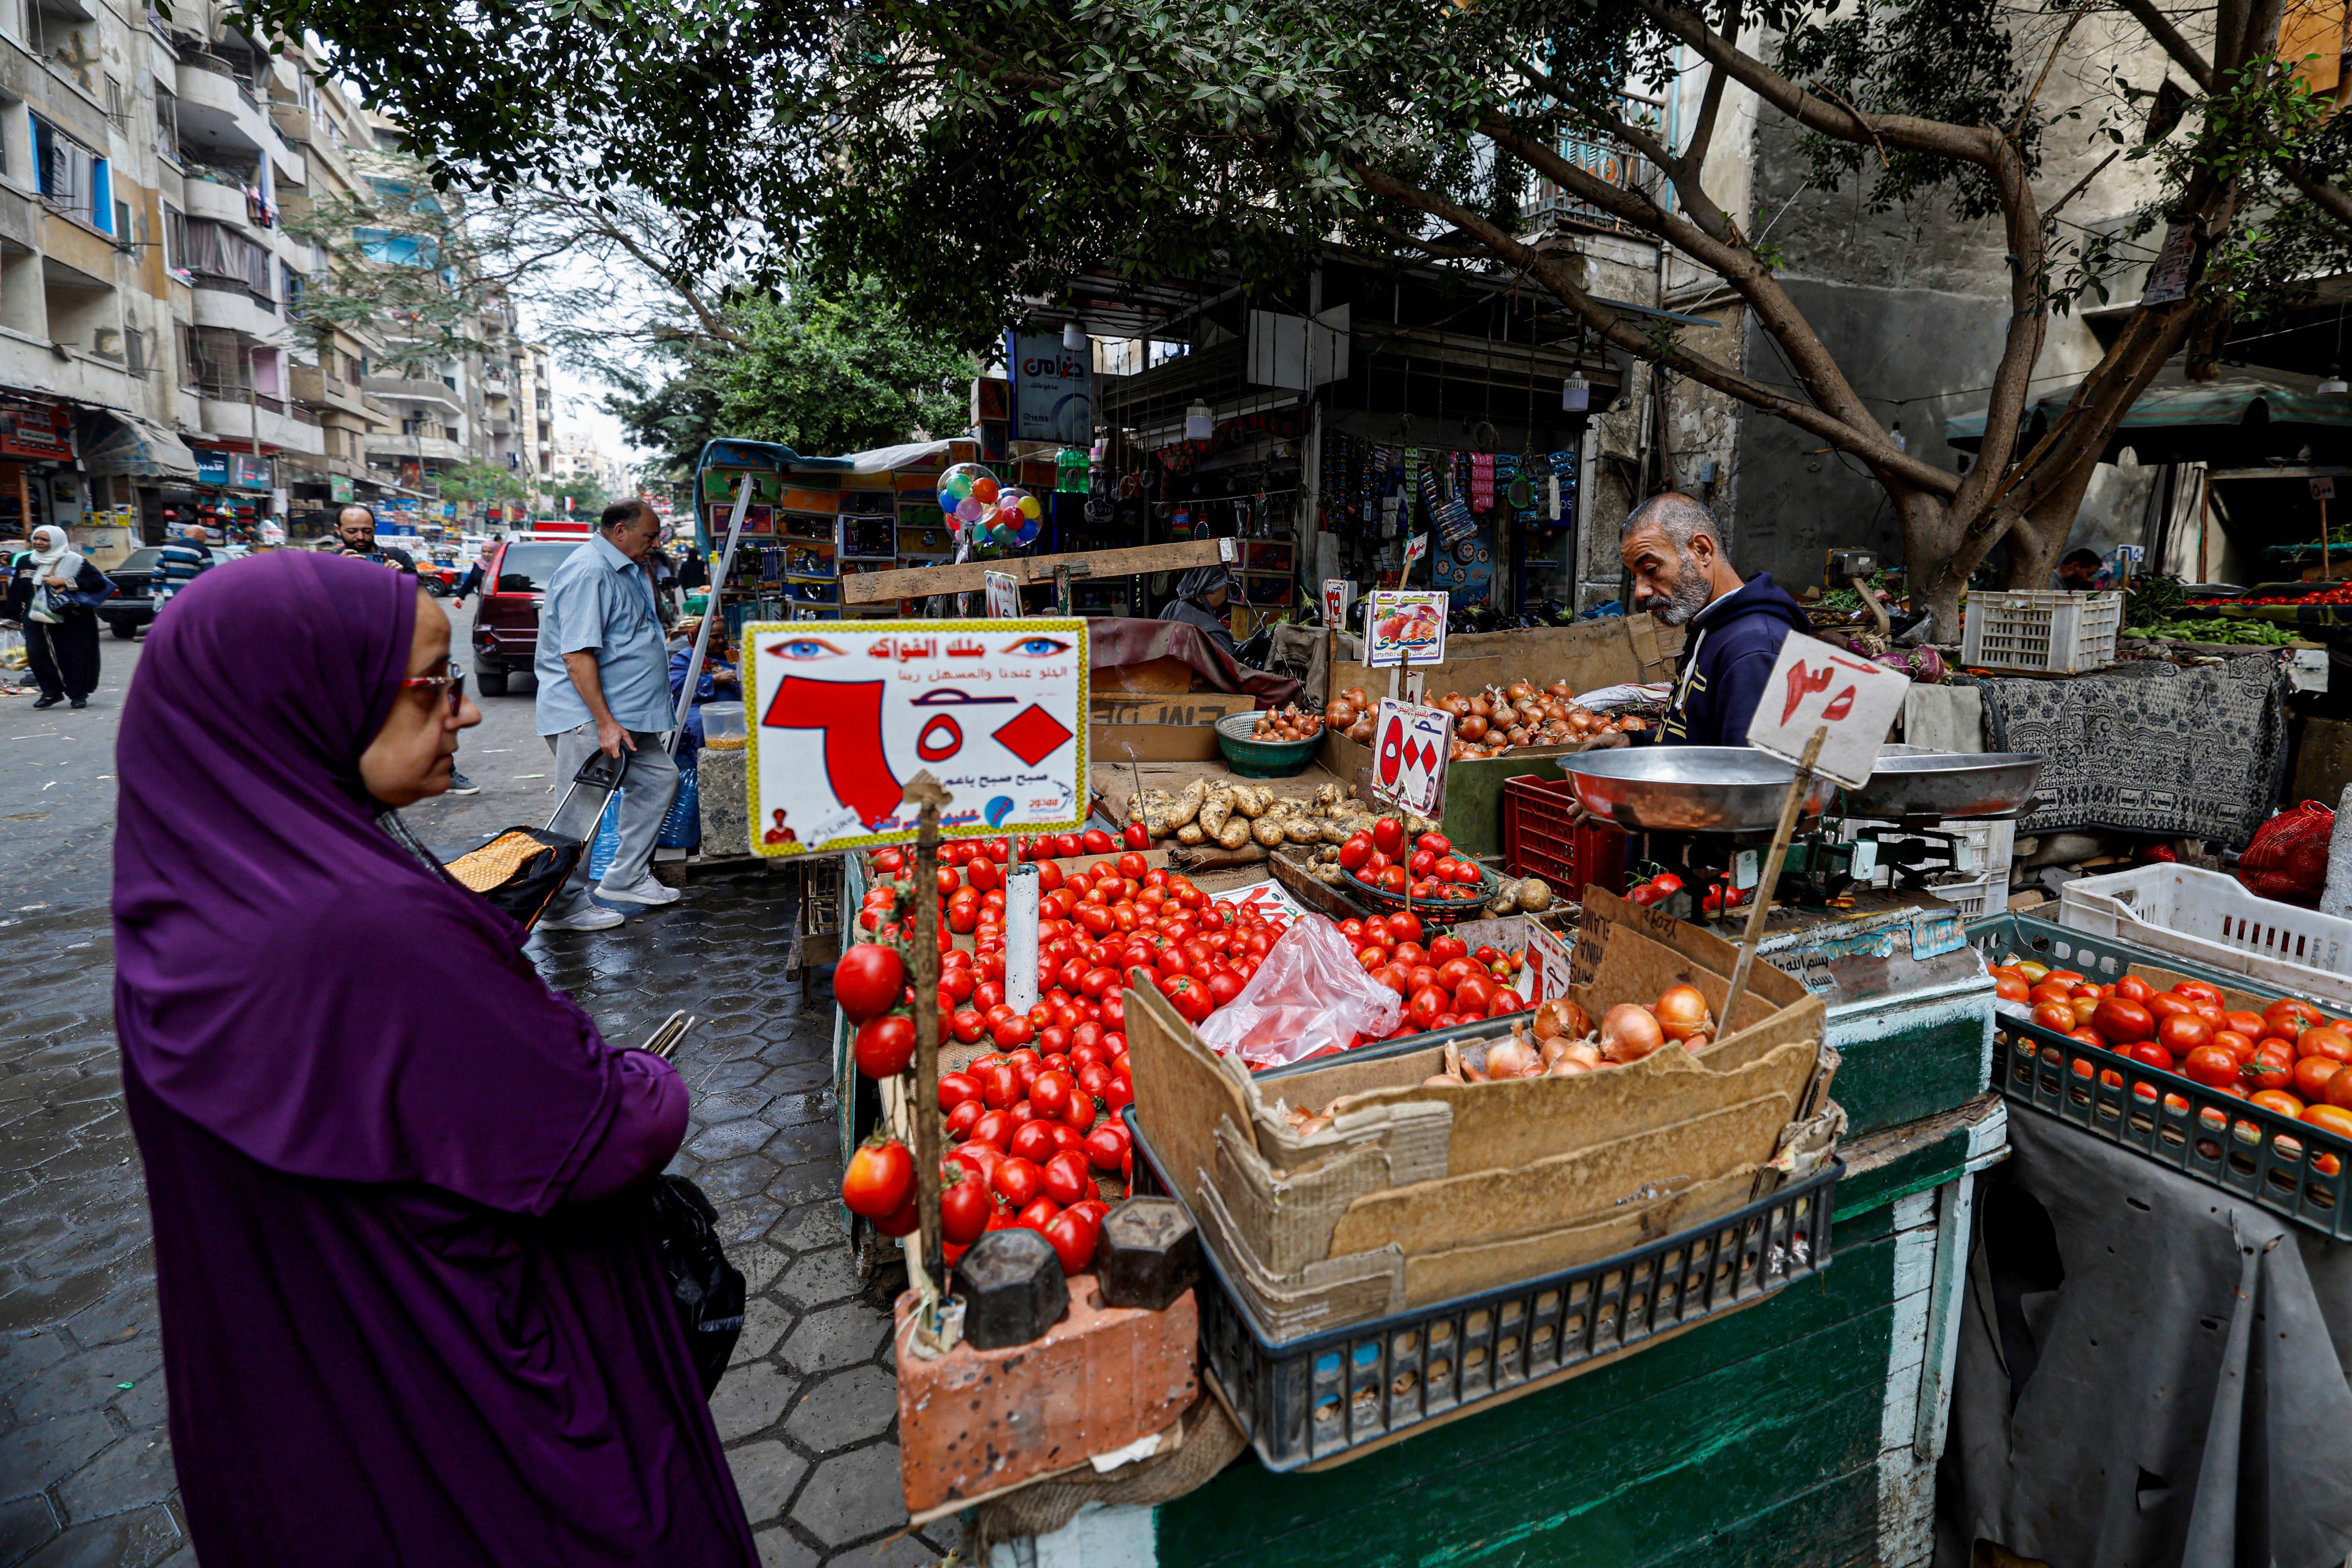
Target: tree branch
{"type": "Point", "coordinates": [1710, 103]}
{"type": "Point", "coordinates": [2028, 326]}
{"type": "Point", "coordinates": [2169, 37]}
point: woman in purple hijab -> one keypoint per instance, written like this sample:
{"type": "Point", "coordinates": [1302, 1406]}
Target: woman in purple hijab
{"type": "Point", "coordinates": [405, 1319]}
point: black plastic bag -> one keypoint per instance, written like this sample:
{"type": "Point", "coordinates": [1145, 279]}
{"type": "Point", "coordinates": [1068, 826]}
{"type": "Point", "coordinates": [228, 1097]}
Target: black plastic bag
{"type": "Point", "coordinates": [707, 1290]}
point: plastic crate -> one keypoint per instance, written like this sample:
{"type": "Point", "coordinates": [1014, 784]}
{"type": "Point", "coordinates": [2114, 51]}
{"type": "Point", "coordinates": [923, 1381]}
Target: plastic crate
{"type": "Point", "coordinates": [1992, 845]}
{"type": "Point", "coordinates": [2279, 1164]}
{"type": "Point", "coordinates": [2041, 630]}
{"type": "Point", "coordinates": [2209, 916]}
{"type": "Point", "coordinates": [1540, 839]}
{"type": "Point", "coordinates": [1974, 897]}
{"type": "Point", "coordinates": [1316, 1399]}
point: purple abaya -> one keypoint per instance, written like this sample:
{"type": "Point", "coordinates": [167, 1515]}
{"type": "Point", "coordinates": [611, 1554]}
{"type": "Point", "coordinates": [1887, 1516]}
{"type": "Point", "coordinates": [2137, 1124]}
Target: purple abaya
{"type": "Point", "coordinates": [404, 1319]}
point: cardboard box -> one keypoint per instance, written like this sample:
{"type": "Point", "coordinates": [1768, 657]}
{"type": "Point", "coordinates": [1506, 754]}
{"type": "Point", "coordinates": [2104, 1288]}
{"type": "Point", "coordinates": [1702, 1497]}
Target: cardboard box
{"type": "Point", "coordinates": [1416, 1193]}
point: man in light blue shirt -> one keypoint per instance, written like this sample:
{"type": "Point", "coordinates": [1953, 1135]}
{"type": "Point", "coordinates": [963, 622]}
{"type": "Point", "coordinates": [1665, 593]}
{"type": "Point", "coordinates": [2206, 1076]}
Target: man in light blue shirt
{"type": "Point", "coordinates": [604, 685]}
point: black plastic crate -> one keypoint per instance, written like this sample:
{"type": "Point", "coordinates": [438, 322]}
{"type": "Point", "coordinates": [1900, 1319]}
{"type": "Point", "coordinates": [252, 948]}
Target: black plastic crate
{"type": "Point", "coordinates": [2288, 1167]}
{"type": "Point", "coordinates": [1316, 1398]}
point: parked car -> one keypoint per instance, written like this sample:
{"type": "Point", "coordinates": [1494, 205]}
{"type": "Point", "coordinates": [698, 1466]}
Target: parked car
{"type": "Point", "coordinates": [506, 613]}
{"type": "Point", "coordinates": [133, 603]}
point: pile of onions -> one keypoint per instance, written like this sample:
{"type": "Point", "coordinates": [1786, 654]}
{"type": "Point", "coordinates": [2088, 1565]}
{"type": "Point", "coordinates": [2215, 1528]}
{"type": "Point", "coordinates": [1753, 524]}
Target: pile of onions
{"type": "Point", "coordinates": [1521, 713]}
{"type": "Point", "coordinates": [1286, 723]}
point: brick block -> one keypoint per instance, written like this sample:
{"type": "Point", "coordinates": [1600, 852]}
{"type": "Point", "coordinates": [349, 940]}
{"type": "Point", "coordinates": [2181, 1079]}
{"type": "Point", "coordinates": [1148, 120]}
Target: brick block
{"type": "Point", "coordinates": [973, 1422]}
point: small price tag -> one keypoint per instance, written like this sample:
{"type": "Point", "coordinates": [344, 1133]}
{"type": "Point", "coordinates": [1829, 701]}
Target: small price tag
{"type": "Point", "coordinates": [2323, 488]}
{"type": "Point", "coordinates": [1814, 685]}
{"type": "Point", "coordinates": [1268, 898]}
{"type": "Point", "coordinates": [1549, 965]}
{"type": "Point", "coordinates": [1409, 753]}
{"type": "Point", "coordinates": [1003, 596]}
{"type": "Point", "coordinates": [1414, 549]}
{"type": "Point", "coordinates": [1335, 601]}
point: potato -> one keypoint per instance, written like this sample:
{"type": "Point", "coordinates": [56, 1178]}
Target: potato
{"type": "Point", "coordinates": [1188, 805]}
{"type": "Point", "coordinates": [1217, 806]}
{"type": "Point", "coordinates": [1534, 894]}
{"type": "Point", "coordinates": [1267, 831]}
{"type": "Point", "coordinates": [1190, 832]}
{"type": "Point", "coordinates": [1235, 832]}
{"type": "Point", "coordinates": [1302, 829]}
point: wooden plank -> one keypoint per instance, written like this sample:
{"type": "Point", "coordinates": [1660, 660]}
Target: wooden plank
{"type": "Point", "coordinates": [921, 581]}
{"type": "Point", "coordinates": [1632, 1464]}
{"type": "Point", "coordinates": [1907, 1160]}
{"type": "Point", "coordinates": [1917, 1064]}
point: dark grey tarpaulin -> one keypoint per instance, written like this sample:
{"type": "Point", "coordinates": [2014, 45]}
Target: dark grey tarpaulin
{"type": "Point", "coordinates": [2151, 1372]}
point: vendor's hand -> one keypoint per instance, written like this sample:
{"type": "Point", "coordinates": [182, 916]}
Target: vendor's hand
{"type": "Point", "coordinates": [611, 738]}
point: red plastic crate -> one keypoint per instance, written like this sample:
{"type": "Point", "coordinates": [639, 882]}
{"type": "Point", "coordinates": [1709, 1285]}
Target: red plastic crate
{"type": "Point", "coordinates": [1540, 841]}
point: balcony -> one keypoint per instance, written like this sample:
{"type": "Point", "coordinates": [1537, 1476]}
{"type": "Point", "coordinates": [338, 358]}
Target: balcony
{"type": "Point", "coordinates": [221, 203]}
{"type": "Point", "coordinates": [220, 121]}
{"type": "Point", "coordinates": [1609, 160]}
{"type": "Point", "coordinates": [227, 412]}
{"type": "Point", "coordinates": [227, 303]}
{"type": "Point", "coordinates": [414, 389]}
{"type": "Point", "coordinates": [390, 448]}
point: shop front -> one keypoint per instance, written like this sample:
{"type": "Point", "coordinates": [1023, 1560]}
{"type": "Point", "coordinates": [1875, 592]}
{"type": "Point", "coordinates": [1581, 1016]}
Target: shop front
{"type": "Point", "coordinates": [38, 483]}
{"type": "Point", "coordinates": [232, 497]}
{"type": "Point", "coordinates": [125, 457]}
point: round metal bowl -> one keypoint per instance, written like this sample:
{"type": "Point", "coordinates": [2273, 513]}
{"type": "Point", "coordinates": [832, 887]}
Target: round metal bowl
{"type": "Point", "coordinates": [1688, 789]}
{"type": "Point", "coordinates": [1946, 783]}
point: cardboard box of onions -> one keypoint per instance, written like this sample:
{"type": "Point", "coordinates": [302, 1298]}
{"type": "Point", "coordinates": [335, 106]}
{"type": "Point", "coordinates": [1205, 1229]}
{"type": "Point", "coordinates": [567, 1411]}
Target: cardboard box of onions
{"type": "Point", "coordinates": [1350, 1188]}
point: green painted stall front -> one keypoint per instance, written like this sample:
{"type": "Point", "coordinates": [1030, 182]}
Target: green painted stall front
{"type": "Point", "coordinates": [1786, 1434]}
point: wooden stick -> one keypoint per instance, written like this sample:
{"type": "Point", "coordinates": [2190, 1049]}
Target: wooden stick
{"type": "Point", "coordinates": [1798, 789]}
{"type": "Point", "coordinates": [920, 581]}
{"type": "Point", "coordinates": [930, 1136]}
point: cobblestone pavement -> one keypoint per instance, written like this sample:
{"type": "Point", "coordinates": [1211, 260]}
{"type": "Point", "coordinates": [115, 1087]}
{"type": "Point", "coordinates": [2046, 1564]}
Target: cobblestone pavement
{"type": "Point", "coordinates": [808, 1413]}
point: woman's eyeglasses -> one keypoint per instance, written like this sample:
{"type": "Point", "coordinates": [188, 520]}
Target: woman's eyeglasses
{"type": "Point", "coordinates": [452, 677]}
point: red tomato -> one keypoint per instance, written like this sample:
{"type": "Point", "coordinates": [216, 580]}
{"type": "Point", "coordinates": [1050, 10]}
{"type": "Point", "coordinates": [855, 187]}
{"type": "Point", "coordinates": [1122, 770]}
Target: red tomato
{"type": "Point", "coordinates": [1013, 1030]}
{"type": "Point", "coordinates": [879, 1178]}
{"type": "Point", "coordinates": [2132, 988]}
{"type": "Point", "coordinates": [2185, 1031]}
{"type": "Point", "coordinates": [1066, 1178]}
{"type": "Point", "coordinates": [1107, 1146]}
{"type": "Point", "coordinates": [1455, 971]}
{"type": "Point", "coordinates": [1000, 1085]}
{"type": "Point", "coordinates": [1355, 852]}
{"type": "Point", "coordinates": [2250, 1025]}
{"type": "Point", "coordinates": [1032, 1142]}
{"type": "Point", "coordinates": [2326, 1040]}
{"type": "Point", "coordinates": [1223, 986]}
{"type": "Point", "coordinates": [2148, 1053]}
{"type": "Point", "coordinates": [885, 1044]}
{"type": "Point", "coordinates": [1095, 841]}
{"type": "Point", "coordinates": [1421, 862]}
{"type": "Point", "coordinates": [2277, 1099]}
{"type": "Point", "coordinates": [1474, 996]}
{"type": "Point", "coordinates": [1426, 1006]}
{"type": "Point", "coordinates": [2164, 1005]}
{"type": "Point", "coordinates": [866, 982]}
{"type": "Point", "coordinates": [1073, 1241]}
{"type": "Point", "coordinates": [2210, 1066]}
{"type": "Point", "coordinates": [1050, 1093]}
{"type": "Point", "coordinates": [2311, 1074]}
{"type": "Point", "coordinates": [2055, 1016]}
{"type": "Point", "coordinates": [1190, 997]}
{"type": "Point", "coordinates": [1017, 1181]}
{"type": "Point", "coordinates": [2330, 1117]}
{"type": "Point", "coordinates": [2123, 1021]}
{"type": "Point", "coordinates": [1136, 837]}
{"type": "Point", "coordinates": [1506, 1000]}
{"type": "Point", "coordinates": [1435, 843]}
{"type": "Point", "coordinates": [2236, 1044]}
{"type": "Point", "coordinates": [1133, 867]}
{"type": "Point", "coordinates": [2266, 1073]}
{"type": "Point", "coordinates": [2010, 988]}
{"type": "Point", "coordinates": [1388, 836]}
{"type": "Point", "coordinates": [955, 1087]}
{"type": "Point", "coordinates": [1393, 977]}
{"type": "Point", "coordinates": [964, 1204]}
{"type": "Point", "coordinates": [1080, 1115]}
{"type": "Point", "coordinates": [1410, 954]}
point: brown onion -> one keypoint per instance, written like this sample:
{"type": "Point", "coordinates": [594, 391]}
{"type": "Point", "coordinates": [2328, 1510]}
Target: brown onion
{"type": "Point", "coordinates": [1341, 713]}
{"type": "Point", "coordinates": [1629, 1033]}
{"type": "Point", "coordinates": [1561, 690]}
{"type": "Point", "coordinates": [1357, 696]}
{"type": "Point", "coordinates": [1511, 1058]}
{"type": "Point", "coordinates": [1680, 1012]}
{"type": "Point", "coordinates": [1518, 734]}
{"type": "Point", "coordinates": [1558, 1016]}
{"type": "Point", "coordinates": [1482, 707]}
{"type": "Point", "coordinates": [1565, 1067]}
{"type": "Point", "coordinates": [1519, 691]}
{"type": "Point", "coordinates": [1472, 726]}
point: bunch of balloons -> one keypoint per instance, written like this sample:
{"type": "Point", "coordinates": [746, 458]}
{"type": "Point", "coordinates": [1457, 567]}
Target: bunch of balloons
{"type": "Point", "coordinates": [987, 511]}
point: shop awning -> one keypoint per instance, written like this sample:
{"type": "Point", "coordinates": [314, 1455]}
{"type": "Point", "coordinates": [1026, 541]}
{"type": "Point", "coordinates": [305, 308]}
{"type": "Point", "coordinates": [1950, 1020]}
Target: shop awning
{"type": "Point", "coordinates": [2239, 419]}
{"type": "Point", "coordinates": [115, 442]}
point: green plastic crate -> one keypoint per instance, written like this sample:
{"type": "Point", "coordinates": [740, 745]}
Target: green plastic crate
{"type": "Point", "coordinates": [2288, 1167]}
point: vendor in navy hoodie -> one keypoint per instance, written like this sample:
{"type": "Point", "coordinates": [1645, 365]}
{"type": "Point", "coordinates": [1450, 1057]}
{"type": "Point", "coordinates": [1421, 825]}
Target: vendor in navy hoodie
{"type": "Point", "coordinates": [1674, 549]}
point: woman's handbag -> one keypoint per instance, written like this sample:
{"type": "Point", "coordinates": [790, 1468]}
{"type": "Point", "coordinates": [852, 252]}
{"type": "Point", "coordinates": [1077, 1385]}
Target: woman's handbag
{"type": "Point", "coordinates": [706, 1290]}
{"type": "Point", "coordinates": [82, 595]}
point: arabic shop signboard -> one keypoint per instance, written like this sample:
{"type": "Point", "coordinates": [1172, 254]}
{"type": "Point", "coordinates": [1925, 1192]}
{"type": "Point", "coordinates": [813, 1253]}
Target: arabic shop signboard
{"type": "Point", "coordinates": [1053, 389]}
{"type": "Point", "coordinates": [848, 712]}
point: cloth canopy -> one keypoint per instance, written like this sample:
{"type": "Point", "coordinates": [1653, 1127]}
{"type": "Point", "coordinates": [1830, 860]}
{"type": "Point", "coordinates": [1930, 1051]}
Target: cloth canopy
{"type": "Point", "coordinates": [2241, 421]}
{"type": "Point", "coordinates": [113, 441]}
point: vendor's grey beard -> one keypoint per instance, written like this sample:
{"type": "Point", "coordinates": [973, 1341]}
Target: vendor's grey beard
{"type": "Point", "coordinates": [1691, 592]}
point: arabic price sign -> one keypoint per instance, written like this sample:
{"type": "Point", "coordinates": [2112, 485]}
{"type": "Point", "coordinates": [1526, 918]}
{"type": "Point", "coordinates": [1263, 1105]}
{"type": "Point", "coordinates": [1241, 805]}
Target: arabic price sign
{"type": "Point", "coordinates": [1405, 623]}
{"type": "Point", "coordinates": [1414, 549]}
{"type": "Point", "coordinates": [1814, 685]}
{"type": "Point", "coordinates": [1003, 596]}
{"type": "Point", "coordinates": [1268, 898]}
{"type": "Point", "coordinates": [1549, 962]}
{"type": "Point", "coordinates": [1409, 750]}
{"type": "Point", "coordinates": [847, 712]}
{"type": "Point", "coordinates": [1335, 601]}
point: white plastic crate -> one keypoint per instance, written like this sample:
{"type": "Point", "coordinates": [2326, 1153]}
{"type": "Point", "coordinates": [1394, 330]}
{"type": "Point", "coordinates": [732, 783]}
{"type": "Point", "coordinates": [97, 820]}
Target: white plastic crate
{"type": "Point", "coordinates": [1991, 846]}
{"type": "Point", "coordinates": [2041, 630]}
{"type": "Point", "coordinates": [2208, 916]}
{"type": "Point", "coordinates": [1974, 897]}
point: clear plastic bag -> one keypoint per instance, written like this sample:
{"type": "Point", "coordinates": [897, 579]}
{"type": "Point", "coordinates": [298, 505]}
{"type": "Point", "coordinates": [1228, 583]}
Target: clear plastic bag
{"type": "Point", "coordinates": [1308, 994]}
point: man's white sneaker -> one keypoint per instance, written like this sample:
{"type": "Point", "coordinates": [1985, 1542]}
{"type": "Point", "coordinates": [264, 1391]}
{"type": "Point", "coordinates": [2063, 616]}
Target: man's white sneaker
{"type": "Point", "coordinates": [649, 892]}
{"type": "Point", "coordinates": [594, 918]}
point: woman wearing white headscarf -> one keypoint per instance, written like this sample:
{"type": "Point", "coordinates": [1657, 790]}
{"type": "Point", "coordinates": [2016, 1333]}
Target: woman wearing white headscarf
{"type": "Point", "coordinates": [61, 637]}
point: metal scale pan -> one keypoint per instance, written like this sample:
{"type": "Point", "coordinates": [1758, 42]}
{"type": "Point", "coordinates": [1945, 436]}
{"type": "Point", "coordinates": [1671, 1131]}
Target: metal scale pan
{"type": "Point", "coordinates": [1911, 783]}
{"type": "Point", "coordinates": [1688, 789]}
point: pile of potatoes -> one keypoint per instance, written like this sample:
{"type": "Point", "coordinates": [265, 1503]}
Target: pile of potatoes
{"type": "Point", "coordinates": [1231, 813]}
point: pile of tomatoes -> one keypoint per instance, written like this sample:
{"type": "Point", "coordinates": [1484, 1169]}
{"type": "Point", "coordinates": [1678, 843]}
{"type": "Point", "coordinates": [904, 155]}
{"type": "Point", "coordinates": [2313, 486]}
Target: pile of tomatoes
{"type": "Point", "coordinates": [1028, 1145]}
{"type": "Point", "coordinates": [1443, 984]}
{"type": "Point", "coordinates": [1429, 872]}
{"type": "Point", "coordinates": [2289, 1057]}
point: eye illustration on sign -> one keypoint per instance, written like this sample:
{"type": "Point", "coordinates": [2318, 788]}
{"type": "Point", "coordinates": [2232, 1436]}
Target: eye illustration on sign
{"type": "Point", "coordinates": [997, 717]}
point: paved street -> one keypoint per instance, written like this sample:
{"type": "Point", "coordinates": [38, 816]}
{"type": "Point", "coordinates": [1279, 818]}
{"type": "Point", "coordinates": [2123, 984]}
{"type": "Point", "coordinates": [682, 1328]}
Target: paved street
{"type": "Point", "coordinates": [808, 1413]}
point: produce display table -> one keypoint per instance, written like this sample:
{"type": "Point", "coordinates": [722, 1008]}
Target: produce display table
{"type": "Point", "coordinates": [1805, 1430]}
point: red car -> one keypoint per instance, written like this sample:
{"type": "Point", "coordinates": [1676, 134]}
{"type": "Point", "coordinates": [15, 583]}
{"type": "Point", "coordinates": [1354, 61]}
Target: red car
{"type": "Point", "coordinates": [506, 616]}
